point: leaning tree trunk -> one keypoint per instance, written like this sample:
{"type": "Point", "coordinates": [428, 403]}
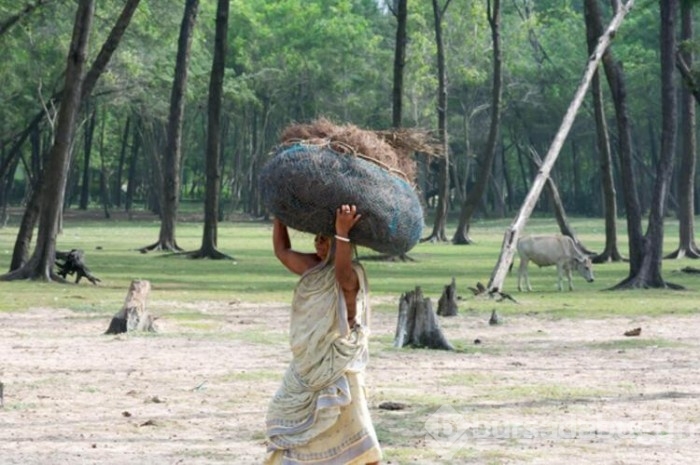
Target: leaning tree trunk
{"type": "Point", "coordinates": [40, 265]}
{"type": "Point", "coordinates": [170, 195]}
{"type": "Point", "coordinates": [512, 234]}
{"type": "Point", "coordinates": [20, 253]}
{"type": "Point", "coordinates": [417, 323]}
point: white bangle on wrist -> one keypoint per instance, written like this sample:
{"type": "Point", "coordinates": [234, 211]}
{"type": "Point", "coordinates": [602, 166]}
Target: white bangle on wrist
{"type": "Point", "coordinates": [342, 239]}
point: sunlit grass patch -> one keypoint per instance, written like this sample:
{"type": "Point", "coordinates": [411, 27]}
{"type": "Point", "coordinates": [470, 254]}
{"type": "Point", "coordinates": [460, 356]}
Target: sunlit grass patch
{"type": "Point", "coordinates": [468, 378]}
{"type": "Point", "coordinates": [200, 325]}
{"type": "Point", "coordinates": [260, 337]}
{"type": "Point", "coordinates": [544, 392]}
{"type": "Point", "coordinates": [636, 343]}
{"type": "Point", "coordinates": [251, 375]}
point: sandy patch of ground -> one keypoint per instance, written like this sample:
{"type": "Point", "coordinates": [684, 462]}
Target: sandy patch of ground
{"type": "Point", "coordinates": [534, 391]}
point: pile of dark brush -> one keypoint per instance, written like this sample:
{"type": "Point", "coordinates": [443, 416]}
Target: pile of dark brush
{"type": "Point", "coordinates": [320, 166]}
{"type": "Point", "coordinates": [73, 263]}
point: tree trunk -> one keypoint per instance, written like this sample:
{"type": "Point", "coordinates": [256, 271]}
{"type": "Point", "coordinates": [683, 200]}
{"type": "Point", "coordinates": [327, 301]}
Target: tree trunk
{"type": "Point", "coordinates": [104, 173]}
{"type": "Point", "coordinates": [120, 165]}
{"type": "Point", "coordinates": [399, 63]}
{"type": "Point", "coordinates": [611, 252]}
{"type": "Point", "coordinates": [170, 196]}
{"type": "Point", "coordinates": [212, 162]}
{"type": "Point", "coordinates": [40, 265]}
{"type": "Point", "coordinates": [476, 194]}
{"type": "Point", "coordinates": [438, 234]}
{"type": "Point", "coordinates": [87, 152]}
{"type": "Point", "coordinates": [5, 190]}
{"type": "Point", "coordinates": [131, 176]}
{"type": "Point", "coordinates": [512, 234]}
{"type": "Point", "coordinates": [20, 253]}
{"type": "Point", "coordinates": [686, 174]}
{"type": "Point", "coordinates": [417, 323]}
{"type": "Point", "coordinates": [648, 275]}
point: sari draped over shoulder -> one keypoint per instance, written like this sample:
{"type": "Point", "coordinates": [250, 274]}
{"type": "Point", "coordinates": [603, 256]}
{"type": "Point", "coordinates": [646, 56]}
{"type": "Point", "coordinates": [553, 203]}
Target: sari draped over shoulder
{"type": "Point", "coordinates": [319, 413]}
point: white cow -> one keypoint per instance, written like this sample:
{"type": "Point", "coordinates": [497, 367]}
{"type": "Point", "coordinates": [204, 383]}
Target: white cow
{"type": "Point", "coordinates": [553, 250]}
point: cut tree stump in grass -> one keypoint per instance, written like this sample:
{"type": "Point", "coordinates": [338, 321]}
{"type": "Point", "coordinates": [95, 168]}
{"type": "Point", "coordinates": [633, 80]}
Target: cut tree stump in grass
{"type": "Point", "coordinates": [447, 304]}
{"type": "Point", "coordinates": [418, 324]}
{"type": "Point", "coordinates": [133, 315]}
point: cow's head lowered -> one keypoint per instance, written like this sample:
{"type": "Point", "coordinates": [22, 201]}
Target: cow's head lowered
{"type": "Point", "coordinates": [584, 266]}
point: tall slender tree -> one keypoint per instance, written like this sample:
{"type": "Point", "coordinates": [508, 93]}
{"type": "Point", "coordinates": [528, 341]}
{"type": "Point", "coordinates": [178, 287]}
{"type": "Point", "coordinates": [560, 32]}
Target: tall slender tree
{"type": "Point", "coordinates": [686, 174]}
{"type": "Point", "coordinates": [474, 197]}
{"type": "Point", "coordinates": [645, 272]}
{"type": "Point", "coordinates": [594, 29]}
{"type": "Point", "coordinates": [213, 155]}
{"type": "Point", "coordinates": [401, 14]}
{"type": "Point", "coordinates": [172, 157]}
{"type": "Point", "coordinates": [40, 264]}
{"type": "Point", "coordinates": [438, 234]}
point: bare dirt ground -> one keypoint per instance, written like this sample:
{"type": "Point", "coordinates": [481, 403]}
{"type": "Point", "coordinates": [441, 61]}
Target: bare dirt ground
{"type": "Point", "coordinates": [533, 391]}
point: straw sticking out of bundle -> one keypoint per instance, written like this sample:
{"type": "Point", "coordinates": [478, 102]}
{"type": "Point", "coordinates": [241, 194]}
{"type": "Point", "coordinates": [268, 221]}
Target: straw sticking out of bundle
{"type": "Point", "coordinates": [390, 149]}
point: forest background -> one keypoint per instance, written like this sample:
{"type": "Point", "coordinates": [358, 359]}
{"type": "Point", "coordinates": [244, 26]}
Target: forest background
{"type": "Point", "coordinates": [293, 61]}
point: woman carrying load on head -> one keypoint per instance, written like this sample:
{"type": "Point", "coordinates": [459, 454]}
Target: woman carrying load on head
{"type": "Point", "coordinates": [319, 414]}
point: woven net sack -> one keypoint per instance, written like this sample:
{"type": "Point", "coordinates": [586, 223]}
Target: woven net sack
{"type": "Point", "coordinates": [304, 183]}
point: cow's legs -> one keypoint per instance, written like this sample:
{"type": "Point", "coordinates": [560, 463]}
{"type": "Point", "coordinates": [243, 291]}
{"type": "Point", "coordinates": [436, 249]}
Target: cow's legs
{"type": "Point", "coordinates": [522, 271]}
{"type": "Point", "coordinates": [560, 277]}
{"type": "Point", "coordinates": [568, 276]}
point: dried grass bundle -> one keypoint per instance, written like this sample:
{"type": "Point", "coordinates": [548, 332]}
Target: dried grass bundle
{"type": "Point", "coordinates": [390, 149]}
{"type": "Point", "coordinates": [320, 166]}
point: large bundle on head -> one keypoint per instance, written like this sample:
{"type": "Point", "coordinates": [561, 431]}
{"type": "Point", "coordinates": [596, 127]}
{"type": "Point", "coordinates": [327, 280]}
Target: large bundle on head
{"type": "Point", "coordinates": [320, 166]}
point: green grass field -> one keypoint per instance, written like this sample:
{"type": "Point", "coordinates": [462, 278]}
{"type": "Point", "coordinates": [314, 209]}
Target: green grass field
{"type": "Point", "coordinates": [255, 275]}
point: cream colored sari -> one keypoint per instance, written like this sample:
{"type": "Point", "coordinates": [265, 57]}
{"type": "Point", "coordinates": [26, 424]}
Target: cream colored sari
{"type": "Point", "coordinates": [319, 414]}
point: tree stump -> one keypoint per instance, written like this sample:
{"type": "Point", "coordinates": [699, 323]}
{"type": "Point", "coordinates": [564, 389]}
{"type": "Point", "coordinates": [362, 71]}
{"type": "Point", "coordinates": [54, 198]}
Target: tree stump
{"type": "Point", "coordinates": [447, 304]}
{"type": "Point", "coordinates": [417, 324]}
{"type": "Point", "coordinates": [133, 315]}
